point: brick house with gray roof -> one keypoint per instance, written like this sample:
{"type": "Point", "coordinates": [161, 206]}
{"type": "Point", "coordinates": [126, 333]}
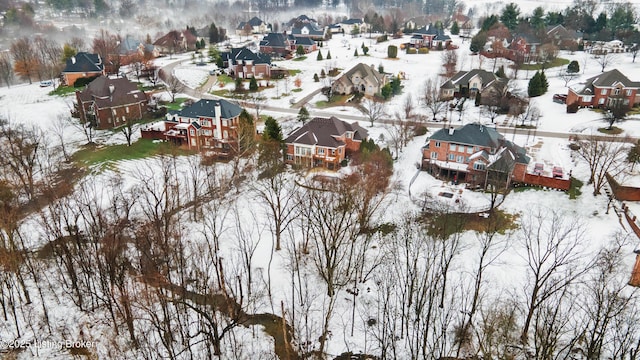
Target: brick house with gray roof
{"type": "Point", "coordinates": [605, 90]}
{"type": "Point", "coordinates": [473, 154]}
{"type": "Point", "coordinates": [324, 142]}
{"type": "Point", "coordinates": [275, 44]}
{"type": "Point", "coordinates": [467, 83]}
{"type": "Point", "coordinates": [244, 63]}
{"type": "Point", "coordinates": [109, 103]}
{"type": "Point", "coordinates": [82, 65]}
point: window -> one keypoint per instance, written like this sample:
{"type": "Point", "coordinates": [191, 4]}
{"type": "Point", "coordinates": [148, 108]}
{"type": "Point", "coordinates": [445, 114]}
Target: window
{"type": "Point", "coordinates": [603, 92]}
{"type": "Point", "coordinates": [460, 158]}
{"type": "Point", "coordinates": [333, 151]}
{"type": "Point", "coordinates": [321, 151]}
{"type": "Point", "coordinates": [625, 102]}
{"type": "Point", "coordinates": [452, 157]}
{"type": "Point", "coordinates": [470, 150]}
{"type": "Point", "coordinates": [478, 166]}
{"type": "Point", "coordinates": [205, 123]}
{"type": "Point", "coordinates": [628, 92]}
{"type": "Point", "coordinates": [434, 155]}
{"type": "Point", "coordinates": [224, 123]}
{"type": "Point", "coordinates": [289, 157]}
{"type": "Point", "coordinates": [466, 160]}
{"type": "Point", "coordinates": [586, 98]}
{"type": "Point", "coordinates": [601, 101]}
{"type": "Point", "coordinates": [452, 147]}
{"type": "Point", "coordinates": [126, 109]}
{"type": "Point", "coordinates": [616, 91]}
{"type": "Point", "coordinates": [347, 135]}
{"type": "Point", "coordinates": [225, 134]}
{"type": "Point", "coordinates": [207, 132]}
{"type": "Point", "coordinates": [192, 132]}
{"type": "Point", "coordinates": [437, 143]}
{"type": "Point", "coordinates": [303, 151]}
{"type": "Point", "coordinates": [113, 111]}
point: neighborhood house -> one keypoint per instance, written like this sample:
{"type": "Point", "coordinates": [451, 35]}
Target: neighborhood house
{"type": "Point", "coordinates": [82, 65]}
{"type": "Point", "coordinates": [606, 90]}
{"type": "Point", "coordinates": [324, 142]}
{"type": "Point", "coordinates": [361, 78]}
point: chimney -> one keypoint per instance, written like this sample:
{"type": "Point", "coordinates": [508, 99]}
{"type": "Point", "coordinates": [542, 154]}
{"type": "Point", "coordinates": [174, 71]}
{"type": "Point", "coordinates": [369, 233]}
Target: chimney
{"type": "Point", "coordinates": [73, 59]}
{"type": "Point", "coordinates": [451, 130]}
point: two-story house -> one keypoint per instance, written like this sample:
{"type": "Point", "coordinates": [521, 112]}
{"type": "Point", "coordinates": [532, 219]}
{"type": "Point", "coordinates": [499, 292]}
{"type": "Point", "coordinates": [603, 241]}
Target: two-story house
{"type": "Point", "coordinates": [108, 103]}
{"type": "Point", "coordinates": [605, 90]}
{"type": "Point", "coordinates": [244, 63]}
{"type": "Point", "coordinates": [354, 26]}
{"type": "Point", "coordinates": [473, 154]}
{"type": "Point", "coordinates": [430, 37]}
{"type": "Point", "coordinates": [324, 142]}
{"type": "Point", "coordinates": [467, 83]}
{"type": "Point", "coordinates": [311, 31]}
{"type": "Point", "coordinates": [255, 25]}
{"type": "Point", "coordinates": [360, 78]}
{"type": "Point", "coordinates": [82, 65]}
{"type": "Point", "coordinates": [275, 44]}
{"type": "Point", "coordinates": [175, 42]}
{"type": "Point", "coordinates": [206, 125]}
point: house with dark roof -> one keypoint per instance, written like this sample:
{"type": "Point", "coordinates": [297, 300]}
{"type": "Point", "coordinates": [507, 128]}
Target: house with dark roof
{"type": "Point", "coordinates": [467, 83]}
{"type": "Point", "coordinates": [132, 49]}
{"type": "Point", "coordinates": [175, 42]}
{"type": "Point", "coordinates": [275, 44]}
{"type": "Point", "coordinates": [308, 44]}
{"type": "Point", "coordinates": [354, 26]}
{"type": "Point", "coordinates": [606, 90]}
{"type": "Point", "coordinates": [311, 31]}
{"type": "Point", "coordinates": [299, 21]}
{"type": "Point", "coordinates": [206, 125]}
{"type": "Point", "coordinates": [475, 154]}
{"type": "Point", "coordinates": [254, 26]}
{"type": "Point", "coordinates": [108, 103]}
{"type": "Point", "coordinates": [361, 78]}
{"type": "Point", "coordinates": [430, 37]}
{"type": "Point", "coordinates": [82, 65]}
{"type": "Point", "coordinates": [323, 142]}
{"type": "Point", "coordinates": [563, 38]}
{"type": "Point", "coordinates": [244, 63]}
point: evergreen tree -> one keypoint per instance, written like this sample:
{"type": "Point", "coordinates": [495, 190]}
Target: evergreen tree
{"type": "Point", "coordinates": [395, 85]}
{"type": "Point", "coordinates": [365, 50]}
{"type": "Point", "coordinates": [328, 54]}
{"type": "Point", "coordinates": [323, 74]}
{"type": "Point", "coordinates": [544, 84]}
{"type": "Point", "coordinates": [500, 73]}
{"type": "Point", "coordinates": [573, 67]}
{"type": "Point", "coordinates": [535, 85]}
{"type": "Point", "coordinates": [386, 91]}
{"type": "Point", "coordinates": [253, 84]}
{"type": "Point", "coordinates": [239, 84]}
{"type": "Point", "coordinates": [392, 51]}
{"type": "Point", "coordinates": [478, 99]}
{"type": "Point", "coordinates": [478, 41]}
{"type": "Point", "coordinates": [303, 115]}
{"type": "Point", "coordinates": [510, 15]}
{"type": "Point", "coordinates": [319, 58]}
{"type": "Point", "coordinates": [355, 53]}
{"type": "Point", "coordinates": [214, 35]}
{"type": "Point", "coordinates": [272, 130]}
{"type": "Point", "coordinates": [315, 77]}
{"type": "Point", "coordinates": [455, 28]}
{"type": "Point", "coordinates": [299, 50]}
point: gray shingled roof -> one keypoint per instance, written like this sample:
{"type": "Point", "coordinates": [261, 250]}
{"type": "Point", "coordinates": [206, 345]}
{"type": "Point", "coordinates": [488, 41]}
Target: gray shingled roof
{"type": "Point", "coordinates": [367, 73]}
{"type": "Point", "coordinates": [463, 77]}
{"type": "Point", "coordinates": [207, 108]}
{"type": "Point", "coordinates": [607, 79]}
{"type": "Point", "coordinates": [274, 40]}
{"type": "Point", "coordinates": [84, 62]}
{"type": "Point", "coordinates": [470, 134]}
{"type": "Point", "coordinates": [245, 54]}
{"type": "Point", "coordinates": [322, 132]}
{"type": "Point", "coordinates": [352, 21]}
{"type": "Point", "coordinates": [107, 92]}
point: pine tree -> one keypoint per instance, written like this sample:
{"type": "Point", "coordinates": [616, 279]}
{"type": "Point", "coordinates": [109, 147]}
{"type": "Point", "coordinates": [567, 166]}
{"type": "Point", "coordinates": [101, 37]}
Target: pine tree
{"type": "Point", "coordinates": [272, 130]}
{"type": "Point", "coordinates": [328, 54]}
{"type": "Point", "coordinates": [544, 84]}
{"type": "Point", "coordinates": [319, 58]}
{"type": "Point", "coordinates": [253, 84]}
{"type": "Point", "coordinates": [500, 73]}
{"type": "Point", "coordinates": [315, 77]}
{"type": "Point", "coordinates": [303, 115]}
{"type": "Point", "coordinates": [455, 28]}
{"type": "Point", "coordinates": [355, 53]}
{"type": "Point", "coordinates": [573, 67]}
{"type": "Point", "coordinates": [535, 85]}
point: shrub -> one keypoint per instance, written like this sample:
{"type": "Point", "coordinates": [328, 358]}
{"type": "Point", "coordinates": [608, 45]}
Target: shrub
{"type": "Point", "coordinates": [573, 67]}
{"type": "Point", "coordinates": [572, 108]}
{"type": "Point", "coordinates": [423, 50]}
{"type": "Point", "coordinates": [382, 38]}
{"type": "Point", "coordinates": [392, 51]}
{"type": "Point", "coordinates": [319, 56]}
{"type": "Point", "coordinates": [419, 130]}
{"type": "Point", "coordinates": [344, 162]}
{"type": "Point", "coordinates": [253, 84]}
{"type": "Point", "coordinates": [315, 77]}
{"type": "Point", "coordinates": [381, 69]}
{"type": "Point", "coordinates": [411, 50]}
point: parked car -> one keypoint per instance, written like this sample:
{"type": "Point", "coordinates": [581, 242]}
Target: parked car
{"type": "Point", "coordinates": [46, 83]}
{"type": "Point", "coordinates": [538, 168]}
{"type": "Point", "coordinates": [557, 172]}
{"type": "Point", "coordinates": [560, 98]}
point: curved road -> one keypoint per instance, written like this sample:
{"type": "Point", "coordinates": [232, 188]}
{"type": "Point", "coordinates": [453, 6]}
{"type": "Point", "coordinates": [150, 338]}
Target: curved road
{"type": "Point", "coordinates": [202, 93]}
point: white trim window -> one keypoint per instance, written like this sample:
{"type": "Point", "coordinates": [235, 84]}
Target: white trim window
{"type": "Point", "coordinates": [434, 155]}
{"type": "Point", "coordinates": [452, 157]}
{"type": "Point", "coordinates": [603, 92]}
{"type": "Point", "coordinates": [437, 144]}
{"type": "Point", "coordinates": [320, 151]}
{"type": "Point", "coordinates": [478, 166]}
{"type": "Point", "coordinates": [460, 159]}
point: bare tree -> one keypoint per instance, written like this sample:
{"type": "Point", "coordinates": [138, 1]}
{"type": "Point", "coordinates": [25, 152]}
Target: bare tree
{"type": "Point", "coordinates": [49, 54]}
{"type": "Point", "coordinates": [530, 114]}
{"type": "Point", "coordinates": [6, 68]}
{"type": "Point", "coordinates": [22, 147]}
{"type": "Point", "coordinates": [449, 61]}
{"type": "Point", "coordinates": [553, 245]}
{"type": "Point", "coordinates": [567, 76]}
{"type": "Point", "coordinates": [128, 129]}
{"type": "Point", "coordinates": [173, 84]}
{"type": "Point", "coordinates": [606, 59]}
{"type": "Point", "coordinates": [432, 98]}
{"type": "Point", "coordinates": [373, 109]}
{"type": "Point", "coordinates": [107, 45]}
{"type": "Point", "coordinates": [603, 155]}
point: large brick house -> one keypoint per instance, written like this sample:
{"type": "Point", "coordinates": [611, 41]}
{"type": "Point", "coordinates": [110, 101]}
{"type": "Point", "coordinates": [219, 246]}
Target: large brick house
{"type": "Point", "coordinates": [244, 63]}
{"type": "Point", "coordinates": [255, 25]}
{"type": "Point", "coordinates": [473, 154]}
{"type": "Point", "coordinates": [206, 125]}
{"type": "Point", "coordinates": [605, 90]}
{"type": "Point", "coordinates": [360, 78]}
{"type": "Point", "coordinates": [276, 44]}
{"type": "Point", "coordinates": [467, 83]}
{"type": "Point", "coordinates": [430, 37]}
{"type": "Point", "coordinates": [109, 103]}
{"type": "Point", "coordinates": [176, 41]}
{"type": "Point", "coordinates": [82, 65]}
{"type": "Point", "coordinates": [324, 142]}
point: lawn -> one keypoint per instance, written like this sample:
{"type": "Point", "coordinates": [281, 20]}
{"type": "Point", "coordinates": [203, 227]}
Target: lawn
{"type": "Point", "coordinates": [176, 105]}
{"type": "Point", "coordinates": [63, 90]}
{"type": "Point", "coordinates": [225, 79]}
{"type": "Point", "coordinates": [301, 58]}
{"type": "Point", "coordinates": [554, 63]}
{"type": "Point", "coordinates": [92, 155]}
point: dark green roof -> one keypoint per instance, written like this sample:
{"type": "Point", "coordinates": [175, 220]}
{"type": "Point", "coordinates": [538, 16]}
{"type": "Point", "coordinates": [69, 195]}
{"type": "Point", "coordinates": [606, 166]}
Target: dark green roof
{"type": "Point", "coordinates": [207, 108]}
{"type": "Point", "coordinates": [470, 134]}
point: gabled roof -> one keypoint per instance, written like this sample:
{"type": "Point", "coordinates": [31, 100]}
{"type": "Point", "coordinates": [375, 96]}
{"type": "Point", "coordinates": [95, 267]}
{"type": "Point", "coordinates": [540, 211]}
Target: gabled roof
{"type": "Point", "coordinates": [274, 40]}
{"type": "Point", "coordinates": [129, 45]}
{"type": "Point", "coordinates": [312, 29]}
{"type": "Point", "coordinates": [207, 108]}
{"type": "Point", "coordinates": [471, 134]}
{"type": "Point", "coordinates": [463, 77]}
{"type": "Point", "coordinates": [255, 21]}
{"type": "Point", "coordinates": [367, 72]}
{"type": "Point", "coordinates": [303, 40]}
{"type": "Point", "coordinates": [427, 30]}
{"type": "Point", "coordinates": [174, 37]}
{"type": "Point", "coordinates": [607, 79]}
{"type": "Point", "coordinates": [84, 62]}
{"type": "Point", "coordinates": [106, 92]}
{"type": "Point", "coordinates": [352, 22]}
{"type": "Point", "coordinates": [323, 132]}
{"type": "Point", "coordinates": [244, 54]}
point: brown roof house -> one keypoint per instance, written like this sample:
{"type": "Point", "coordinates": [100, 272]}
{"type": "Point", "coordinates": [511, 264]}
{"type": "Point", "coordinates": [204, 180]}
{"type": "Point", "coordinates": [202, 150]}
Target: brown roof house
{"type": "Point", "coordinates": [324, 142]}
{"type": "Point", "coordinates": [176, 41]}
{"type": "Point", "coordinates": [467, 83]}
{"type": "Point", "coordinates": [360, 79]}
{"type": "Point", "coordinates": [82, 65]}
{"type": "Point", "coordinates": [606, 90]}
{"type": "Point", "coordinates": [107, 103]}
